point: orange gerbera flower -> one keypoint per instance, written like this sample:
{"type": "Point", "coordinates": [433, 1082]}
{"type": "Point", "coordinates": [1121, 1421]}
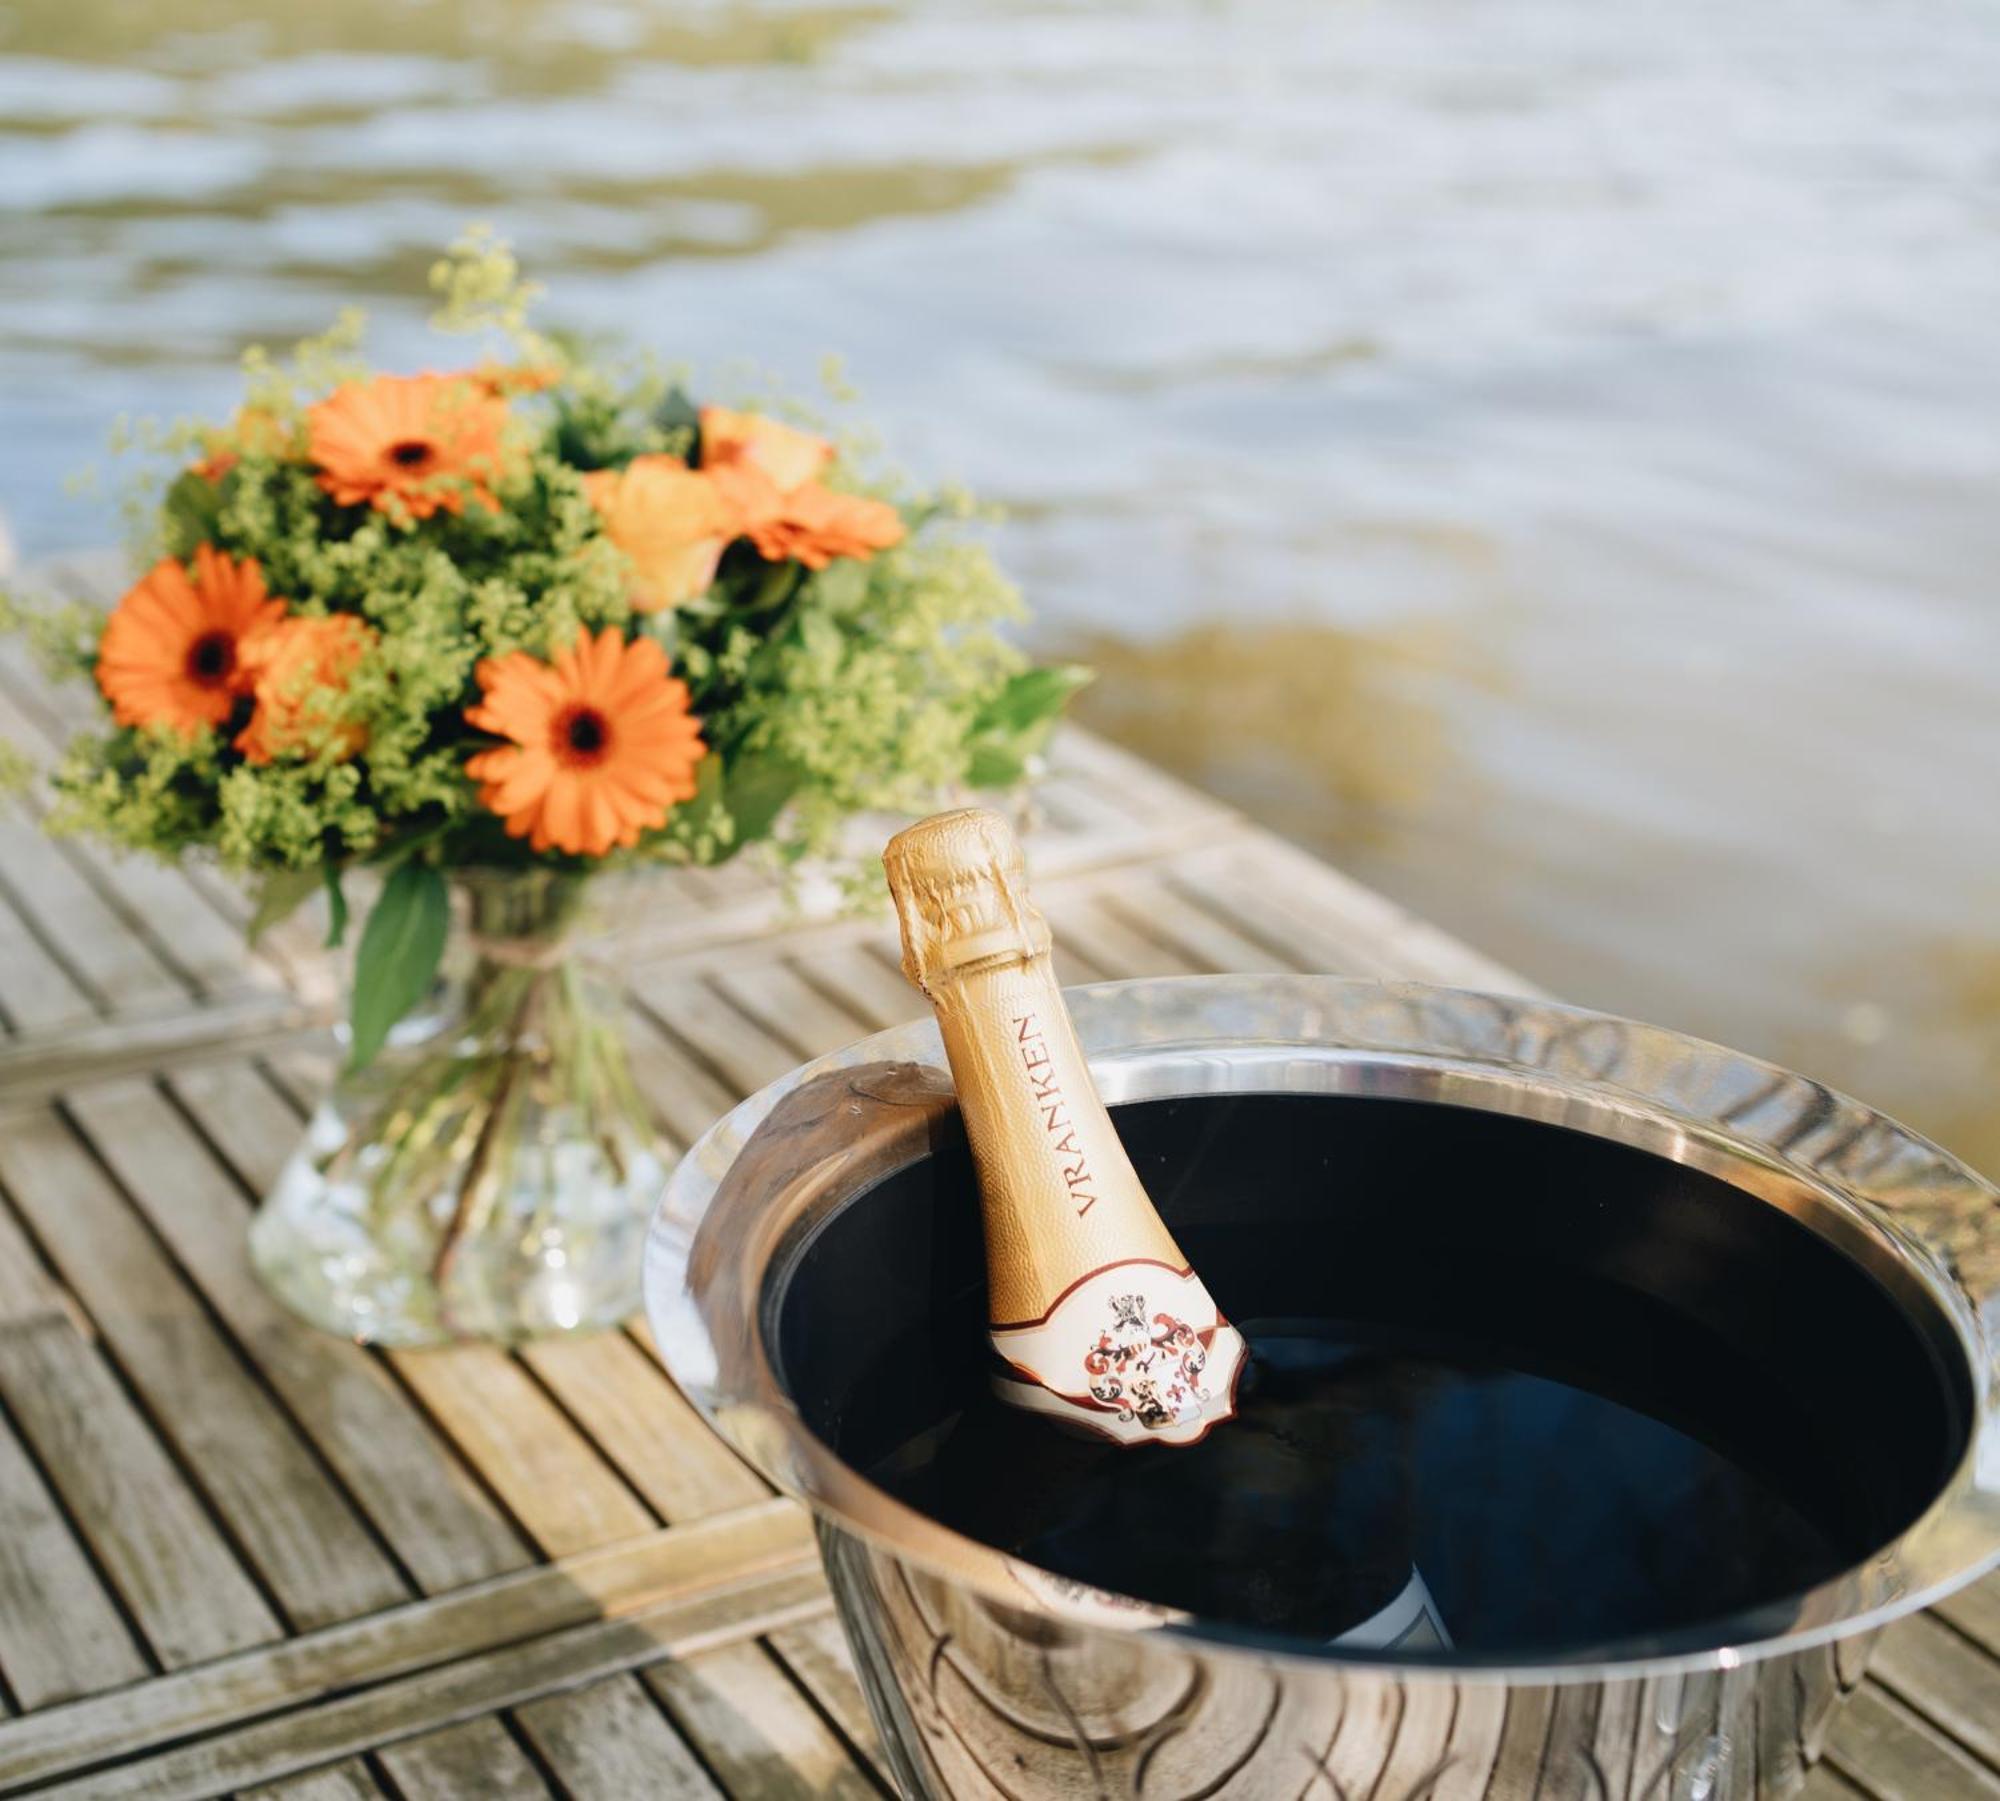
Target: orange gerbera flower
{"type": "Point", "coordinates": [790, 457]}
{"type": "Point", "coordinates": [672, 521]}
{"type": "Point", "coordinates": [602, 743]}
{"type": "Point", "coordinates": [423, 443]}
{"type": "Point", "coordinates": [172, 651]}
{"type": "Point", "coordinates": [815, 524]}
{"type": "Point", "coordinates": [294, 670]}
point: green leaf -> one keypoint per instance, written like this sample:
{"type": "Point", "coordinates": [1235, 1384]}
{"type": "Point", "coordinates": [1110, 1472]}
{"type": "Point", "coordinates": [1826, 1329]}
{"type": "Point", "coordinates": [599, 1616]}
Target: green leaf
{"type": "Point", "coordinates": [190, 512]}
{"type": "Point", "coordinates": [755, 792]}
{"type": "Point", "coordinates": [282, 893]}
{"type": "Point", "coordinates": [336, 907]}
{"type": "Point", "coordinates": [400, 948]}
{"type": "Point", "coordinates": [1015, 724]}
{"type": "Point", "coordinates": [696, 816]}
{"type": "Point", "coordinates": [676, 412]}
{"type": "Point", "coordinates": [996, 765]}
{"type": "Point", "coordinates": [1031, 698]}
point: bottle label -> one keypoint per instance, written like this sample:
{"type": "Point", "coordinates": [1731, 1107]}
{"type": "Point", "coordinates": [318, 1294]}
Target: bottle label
{"type": "Point", "coordinates": [1135, 1351]}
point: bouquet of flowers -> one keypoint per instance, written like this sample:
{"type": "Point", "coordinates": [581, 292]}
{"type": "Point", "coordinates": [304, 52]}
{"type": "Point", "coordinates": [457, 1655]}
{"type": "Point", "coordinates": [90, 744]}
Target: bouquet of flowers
{"type": "Point", "coordinates": [533, 618]}
{"type": "Point", "coordinates": [529, 613]}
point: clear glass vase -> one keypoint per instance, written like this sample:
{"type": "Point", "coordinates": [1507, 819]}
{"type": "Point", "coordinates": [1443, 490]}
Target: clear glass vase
{"type": "Point", "coordinates": [489, 1174]}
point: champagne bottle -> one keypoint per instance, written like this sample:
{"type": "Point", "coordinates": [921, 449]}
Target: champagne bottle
{"type": "Point", "coordinates": [1093, 1311]}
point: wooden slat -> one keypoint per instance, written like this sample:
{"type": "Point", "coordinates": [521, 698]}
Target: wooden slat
{"type": "Point", "coordinates": [634, 1415]}
{"type": "Point", "coordinates": [797, 1015]}
{"type": "Point", "coordinates": [277, 1502]}
{"type": "Point", "coordinates": [1154, 910]}
{"type": "Point", "coordinates": [473, 1686]}
{"type": "Point", "coordinates": [349, 1781]}
{"type": "Point", "coordinates": [816, 1654]}
{"type": "Point", "coordinates": [441, 1524]}
{"type": "Point", "coordinates": [857, 976]}
{"type": "Point", "coordinates": [1952, 1683]}
{"type": "Point", "coordinates": [1884, 1748]}
{"type": "Point", "coordinates": [1289, 899]}
{"type": "Point", "coordinates": [59, 1634]}
{"type": "Point", "coordinates": [40, 1069]}
{"type": "Point", "coordinates": [610, 1741]}
{"type": "Point", "coordinates": [176, 1574]}
{"type": "Point", "coordinates": [553, 1481]}
{"type": "Point", "coordinates": [37, 997]}
{"type": "Point", "coordinates": [122, 974]}
{"type": "Point", "coordinates": [475, 1758]}
{"type": "Point", "coordinates": [170, 912]}
{"type": "Point", "coordinates": [1080, 922]}
{"type": "Point", "coordinates": [694, 1011]}
{"type": "Point", "coordinates": [757, 1545]}
{"type": "Point", "coordinates": [1825, 1783]}
{"type": "Point", "coordinates": [546, 1475]}
{"type": "Point", "coordinates": [1975, 1611]}
{"type": "Point", "coordinates": [686, 1098]}
{"type": "Point", "coordinates": [754, 1729]}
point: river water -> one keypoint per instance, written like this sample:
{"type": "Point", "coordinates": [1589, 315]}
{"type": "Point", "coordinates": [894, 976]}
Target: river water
{"type": "Point", "coordinates": [1546, 457]}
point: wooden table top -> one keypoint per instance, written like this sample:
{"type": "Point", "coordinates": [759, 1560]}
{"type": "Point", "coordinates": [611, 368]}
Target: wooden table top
{"type": "Point", "coordinates": [240, 1557]}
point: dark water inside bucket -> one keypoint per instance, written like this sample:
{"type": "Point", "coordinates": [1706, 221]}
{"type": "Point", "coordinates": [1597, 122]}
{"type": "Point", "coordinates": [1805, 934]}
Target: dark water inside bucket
{"type": "Point", "coordinates": [1593, 1398]}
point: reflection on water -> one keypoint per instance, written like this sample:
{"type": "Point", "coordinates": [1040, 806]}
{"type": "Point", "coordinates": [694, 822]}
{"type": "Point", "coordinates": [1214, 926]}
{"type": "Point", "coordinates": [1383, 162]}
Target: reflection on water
{"type": "Point", "coordinates": [1552, 470]}
{"type": "Point", "coordinates": [1324, 733]}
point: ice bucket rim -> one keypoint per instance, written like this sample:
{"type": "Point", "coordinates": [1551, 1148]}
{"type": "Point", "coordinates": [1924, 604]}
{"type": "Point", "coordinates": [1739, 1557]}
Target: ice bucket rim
{"type": "Point", "coordinates": [1892, 1206]}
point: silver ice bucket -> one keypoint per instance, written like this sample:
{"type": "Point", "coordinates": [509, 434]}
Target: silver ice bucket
{"type": "Point", "coordinates": [1845, 1263]}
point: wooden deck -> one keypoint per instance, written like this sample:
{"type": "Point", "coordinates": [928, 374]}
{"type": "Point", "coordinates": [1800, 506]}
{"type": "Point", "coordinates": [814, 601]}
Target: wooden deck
{"type": "Point", "coordinates": [238, 1557]}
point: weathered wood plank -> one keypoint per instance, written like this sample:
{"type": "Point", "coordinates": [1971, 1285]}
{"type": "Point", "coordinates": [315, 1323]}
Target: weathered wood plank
{"type": "Point", "coordinates": [815, 1652]}
{"type": "Point", "coordinates": [473, 1686]}
{"type": "Point", "coordinates": [280, 1507]}
{"type": "Point", "coordinates": [769, 1541]}
{"type": "Point", "coordinates": [552, 1484]}
{"type": "Point", "coordinates": [639, 1420]}
{"type": "Point", "coordinates": [158, 903]}
{"type": "Point", "coordinates": [686, 1098]}
{"type": "Point", "coordinates": [1080, 921]}
{"type": "Point", "coordinates": [610, 1741]}
{"type": "Point", "coordinates": [1881, 1746]}
{"type": "Point", "coordinates": [441, 1523]}
{"type": "Point", "coordinates": [39, 1069]}
{"type": "Point", "coordinates": [475, 1758]}
{"type": "Point", "coordinates": [176, 1575]}
{"type": "Point", "coordinates": [1952, 1683]}
{"type": "Point", "coordinates": [1825, 1783]}
{"type": "Point", "coordinates": [1305, 908]}
{"type": "Point", "coordinates": [552, 1480]}
{"type": "Point", "coordinates": [690, 1008]}
{"type": "Point", "coordinates": [349, 1781]}
{"type": "Point", "coordinates": [859, 978]}
{"type": "Point", "coordinates": [37, 997]}
{"type": "Point", "coordinates": [156, 1544]}
{"type": "Point", "coordinates": [1975, 1611]}
{"type": "Point", "coordinates": [753, 1728]}
{"type": "Point", "coordinates": [790, 1010]}
{"type": "Point", "coordinates": [59, 1633]}
{"type": "Point", "coordinates": [1209, 941]}
{"type": "Point", "coordinates": [121, 973]}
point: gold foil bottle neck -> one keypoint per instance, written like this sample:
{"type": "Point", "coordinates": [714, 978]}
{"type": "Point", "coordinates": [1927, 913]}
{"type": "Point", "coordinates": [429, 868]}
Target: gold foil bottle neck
{"type": "Point", "coordinates": [960, 886]}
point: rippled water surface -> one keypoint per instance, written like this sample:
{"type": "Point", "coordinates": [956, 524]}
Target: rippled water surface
{"type": "Point", "coordinates": [1546, 456]}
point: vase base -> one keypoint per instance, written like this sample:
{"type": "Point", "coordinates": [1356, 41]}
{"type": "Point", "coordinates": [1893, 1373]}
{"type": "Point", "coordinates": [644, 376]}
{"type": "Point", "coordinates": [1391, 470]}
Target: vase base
{"type": "Point", "coordinates": [319, 1247]}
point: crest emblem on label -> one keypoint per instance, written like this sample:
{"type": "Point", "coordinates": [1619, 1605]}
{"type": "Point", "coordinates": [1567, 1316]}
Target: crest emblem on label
{"type": "Point", "coordinates": [1136, 1352]}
